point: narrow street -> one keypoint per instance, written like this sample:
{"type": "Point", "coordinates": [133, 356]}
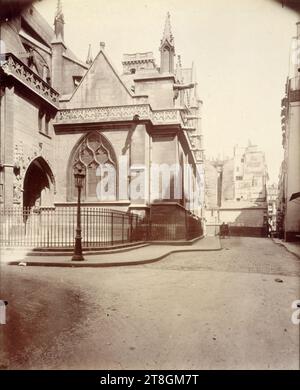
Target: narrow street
{"type": "Point", "coordinates": [229, 309]}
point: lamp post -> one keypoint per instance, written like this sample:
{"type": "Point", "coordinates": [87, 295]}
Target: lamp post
{"type": "Point", "coordinates": [79, 175]}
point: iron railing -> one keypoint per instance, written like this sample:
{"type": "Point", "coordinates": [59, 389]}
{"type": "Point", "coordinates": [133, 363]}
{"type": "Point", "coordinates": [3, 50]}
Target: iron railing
{"type": "Point", "coordinates": [55, 227]}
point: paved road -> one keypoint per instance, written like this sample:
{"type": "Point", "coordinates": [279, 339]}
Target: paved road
{"type": "Point", "coordinates": [206, 310]}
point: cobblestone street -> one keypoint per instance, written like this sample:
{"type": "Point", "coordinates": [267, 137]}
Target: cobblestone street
{"type": "Point", "coordinates": [228, 309]}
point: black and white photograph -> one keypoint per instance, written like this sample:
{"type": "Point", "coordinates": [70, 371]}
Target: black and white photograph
{"type": "Point", "coordinates": [149, 187]}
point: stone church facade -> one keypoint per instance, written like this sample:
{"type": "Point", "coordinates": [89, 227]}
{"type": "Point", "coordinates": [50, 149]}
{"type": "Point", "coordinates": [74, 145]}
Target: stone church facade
{"type": "Point", "coordinates": [57, 111]}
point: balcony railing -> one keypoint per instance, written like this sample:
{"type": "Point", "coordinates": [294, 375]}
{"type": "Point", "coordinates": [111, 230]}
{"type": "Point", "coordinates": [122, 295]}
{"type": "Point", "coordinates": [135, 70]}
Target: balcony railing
{"type": "Point", "coordinates": [120, 113]}
{"type": "Point", "coordinates": [138, 57]}
{"type": "Point", "coordinates": [103, 114]}
{"type": "Point", "coordinates": [12, 66]}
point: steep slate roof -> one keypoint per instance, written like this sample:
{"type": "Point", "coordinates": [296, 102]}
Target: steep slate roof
{"type": "Point", "coordinates": [13, 42]}
{"type": "Point", "coordinates": [36, 21]}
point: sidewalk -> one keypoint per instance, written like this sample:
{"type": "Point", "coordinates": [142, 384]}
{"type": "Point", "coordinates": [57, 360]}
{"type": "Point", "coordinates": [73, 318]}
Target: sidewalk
{"type": "Point", "coordinates": [147, 254]}
{"type": "Point", "coordinates": [292, 247]}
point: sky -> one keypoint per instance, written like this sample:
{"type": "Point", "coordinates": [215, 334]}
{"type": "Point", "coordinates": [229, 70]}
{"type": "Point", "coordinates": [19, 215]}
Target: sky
{"type": "Point", "coordinates": [240, 49]}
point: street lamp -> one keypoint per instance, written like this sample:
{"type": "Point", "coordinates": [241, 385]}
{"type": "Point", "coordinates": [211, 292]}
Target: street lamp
{"type": "Point", "coordinates": [79, 175]}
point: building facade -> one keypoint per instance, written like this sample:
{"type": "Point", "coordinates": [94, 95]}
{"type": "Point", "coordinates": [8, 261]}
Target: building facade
{"type": "Point", "coordinates": [272, 196]}
{"type": "Point", "coordinates": [136, 135]}
{"type": "Point", "coordinates": [236, 192]}
{"type": "Point", "coordinates": [289, 179]}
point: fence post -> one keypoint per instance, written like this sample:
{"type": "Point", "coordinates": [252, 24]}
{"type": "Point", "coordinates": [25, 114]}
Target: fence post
{"type": "Point", "coordinates": [186, 226]}
{"type": "Point", "coordinates": [112, 228]}
{"type": "Point", "coordinates": [86, 225]}
{"type": "Point", "coordinates": [24, 221]}
{"type": "Point", "coordinates": [122, 228]}
{"type": "Point", "coordinates": [130, 218]}
{"type": "Point", "coordinates": [149, 229]}
{"type": "Point", "coordinates": [48, 238]}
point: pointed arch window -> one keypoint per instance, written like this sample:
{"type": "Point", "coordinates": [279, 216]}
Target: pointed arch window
{"type": "Point", "coordinates": [98, 160]}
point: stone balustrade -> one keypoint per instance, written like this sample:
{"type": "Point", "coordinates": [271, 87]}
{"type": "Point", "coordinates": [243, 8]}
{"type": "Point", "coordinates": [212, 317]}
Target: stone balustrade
{"type": "Point", "coordinates": [12, 66]}
{"type": "Point", "coordinates": [120, 113]}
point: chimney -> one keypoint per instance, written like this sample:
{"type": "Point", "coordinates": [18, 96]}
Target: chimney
{"type": "Point", "coordinates": [89, 59]}
{"type": "Point", "coordinates": [102, 45]}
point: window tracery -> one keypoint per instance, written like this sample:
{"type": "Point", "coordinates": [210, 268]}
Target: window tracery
{"type": "Point", "coordinates": [98, 161]}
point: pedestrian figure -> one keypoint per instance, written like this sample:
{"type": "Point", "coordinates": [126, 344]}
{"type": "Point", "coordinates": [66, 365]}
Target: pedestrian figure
{"type": "Point", "coordinates": [222, 230]}
{"type": "Point", "coordinates": [226, 230]}
{"type": "Point", "coordinates": [204, 226]}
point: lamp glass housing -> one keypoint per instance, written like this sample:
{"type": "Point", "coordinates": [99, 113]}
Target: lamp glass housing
{"type": "Point", "coordinates": [79, 175]}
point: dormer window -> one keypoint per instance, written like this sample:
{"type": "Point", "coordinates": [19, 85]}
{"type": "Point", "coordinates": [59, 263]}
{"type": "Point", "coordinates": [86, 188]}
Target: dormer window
{"type": "Point", "coordinates": [76, 80]}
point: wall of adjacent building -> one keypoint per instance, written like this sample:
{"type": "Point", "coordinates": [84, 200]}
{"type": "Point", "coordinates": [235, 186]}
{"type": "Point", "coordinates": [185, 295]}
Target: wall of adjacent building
{"type": "Point", "coordinates": [292, 217]}
{"type": "Point", "coordinates": [235, 192]}
{"type": "Point", "coordinates": [159, 90]}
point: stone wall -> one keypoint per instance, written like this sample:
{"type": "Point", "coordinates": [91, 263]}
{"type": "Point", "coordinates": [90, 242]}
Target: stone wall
{"type": "Point", "coordinates": [292, 218]}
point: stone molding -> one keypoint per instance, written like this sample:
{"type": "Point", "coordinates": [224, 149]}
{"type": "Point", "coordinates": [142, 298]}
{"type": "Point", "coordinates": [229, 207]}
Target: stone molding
{"type": "Point", "coordinates": [121, 113]}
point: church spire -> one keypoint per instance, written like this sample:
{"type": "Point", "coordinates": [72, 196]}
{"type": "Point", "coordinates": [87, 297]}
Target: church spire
{"type": "Point", "coordinates": [167, 49]}
{"type": "Point", "coordinates": [89, 59]}
{"type": "Point", "coordinates": [167, 30]}
{"type": "Point", "coordinates": [59, 21]}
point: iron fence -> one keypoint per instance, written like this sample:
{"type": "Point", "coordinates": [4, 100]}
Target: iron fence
{"type": "Point", "coordinates": [55, 227]}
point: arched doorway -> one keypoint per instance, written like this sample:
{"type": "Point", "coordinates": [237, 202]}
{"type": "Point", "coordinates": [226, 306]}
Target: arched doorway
{"type": "Point", "coordinates": [38, 184]}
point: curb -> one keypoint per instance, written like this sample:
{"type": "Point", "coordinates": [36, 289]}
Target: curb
{"type": "Point", "coordinates": [287, 249]}
{"type": "Point", "coordinates": [112, 264]}
{"type": "Point", "coordinates": [88, 252]}
{"type": "Point", "coordinates": [177, 243]}
{"type": "Point", "coordinates": [56, 252]}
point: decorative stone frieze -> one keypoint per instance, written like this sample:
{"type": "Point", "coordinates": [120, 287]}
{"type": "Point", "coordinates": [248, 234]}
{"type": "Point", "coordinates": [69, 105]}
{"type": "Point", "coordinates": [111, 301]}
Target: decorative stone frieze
{"type": "Point", "coordinates": [120, 113]}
